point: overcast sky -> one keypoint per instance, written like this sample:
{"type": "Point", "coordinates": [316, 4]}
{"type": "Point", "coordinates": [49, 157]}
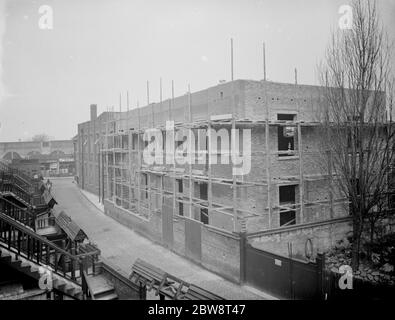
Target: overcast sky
{"type": "Point", "coordinates": [99, 48]}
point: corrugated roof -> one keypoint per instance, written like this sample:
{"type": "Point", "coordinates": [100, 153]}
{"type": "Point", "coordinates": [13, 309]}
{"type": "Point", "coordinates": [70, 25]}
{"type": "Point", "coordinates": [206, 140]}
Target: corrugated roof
{"type": "Point", "coordinates": [72, 229]}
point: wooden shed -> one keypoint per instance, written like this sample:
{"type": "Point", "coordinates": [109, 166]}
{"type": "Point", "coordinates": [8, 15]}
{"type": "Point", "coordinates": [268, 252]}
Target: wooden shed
{"type": "Point", "coordinates": [73, 231]}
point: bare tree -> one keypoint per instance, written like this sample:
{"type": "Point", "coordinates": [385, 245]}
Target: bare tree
{"type": "Point", "coordinates": [357, 134]}
{"type": "Point", "coordinates": [41, 137]}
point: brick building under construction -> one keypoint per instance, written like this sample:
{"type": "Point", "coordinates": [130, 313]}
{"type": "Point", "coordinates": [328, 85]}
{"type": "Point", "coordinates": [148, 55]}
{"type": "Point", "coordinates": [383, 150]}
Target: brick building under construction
{"type": "Point", "coordinates": [204, 210]}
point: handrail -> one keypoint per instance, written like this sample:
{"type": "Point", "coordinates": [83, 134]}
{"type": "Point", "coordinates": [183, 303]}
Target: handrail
{"type": "Point", "coordinates": [22, 215]}
{"type": "Point", "coordinates": [8, 201]}
{"type": "Point", "coordinates": [21, 240]}
{"type": "Point", "coordinates": [43, 240]}
{"type": "Point", "coordinates": [18, 194]}
{"type": "Point", "coordinates": [35, 235]}
{"type": "Point", "coordinates": [16, 172]}
{"type": "Point", "coordinates": [86, 287]}
{"type": "Point", "coordinates": [12, 179]}
{"type": "Point", "coordinates": [13, 183]}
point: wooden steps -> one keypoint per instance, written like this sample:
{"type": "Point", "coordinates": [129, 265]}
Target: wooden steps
{"type": "Point", "coordinates": [33, 270]}
{"type": "Point", "coordinates": [101, 288]}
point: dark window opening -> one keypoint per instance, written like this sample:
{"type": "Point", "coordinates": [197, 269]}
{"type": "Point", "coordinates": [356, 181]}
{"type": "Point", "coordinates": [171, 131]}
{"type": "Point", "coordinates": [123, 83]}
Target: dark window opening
{"type": "Point", "coordinates": [180, 190]}
{"type": "Point", "coordinates": [287, 197]}
{"type": "Point", "coordinates": [134, 141]}
{"type": "Point", "coordinates": [203, 191]}
{"type": "Point", "coordinates": [180, 208]}
{"type": "Point", "coordinates": [287, 218]}
{"type": "Point", "coordinates": [286, 135]}
{"type": "Point", "coordinates": [145, 179]}
{"type": "Point", "coordinates": [204, 216]}
{"type": "Point", "coordinates": [287, 194]}
{"type": "Point", "coordinates": [221, 94]}
{"type": "Point", "coordinates": [164, 141]}
{"type": "Point", "coordinates": [203, 188]}
{"type": "Point", "coordinates": [180, 186]}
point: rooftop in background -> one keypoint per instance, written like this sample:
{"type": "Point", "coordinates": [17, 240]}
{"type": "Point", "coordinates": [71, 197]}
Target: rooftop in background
{"type": "Point", "coordinates": [36, 149]}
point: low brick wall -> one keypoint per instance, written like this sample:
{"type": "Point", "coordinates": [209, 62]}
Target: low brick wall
{"type": "Point", "coordinates": [221, 253]}
{"type": "Point", "coordinates": [220, 250]}
{"type": "Point", "coordinates": [323, 236]}
{"type": "Point", "coordinates": [179, 235]}
{"type": "Point", "coordinates": [149, 228]}
{"type": "Point", "coordinates": [124, 288]}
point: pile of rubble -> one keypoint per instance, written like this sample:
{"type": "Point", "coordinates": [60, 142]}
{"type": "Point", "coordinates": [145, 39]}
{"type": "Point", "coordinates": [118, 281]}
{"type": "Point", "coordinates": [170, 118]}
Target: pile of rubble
{"type": "Point", "coordinates": [383, 274]}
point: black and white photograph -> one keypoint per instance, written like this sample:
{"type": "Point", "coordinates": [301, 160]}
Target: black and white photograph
{"type": "Point", "coordinates": [189, 150]}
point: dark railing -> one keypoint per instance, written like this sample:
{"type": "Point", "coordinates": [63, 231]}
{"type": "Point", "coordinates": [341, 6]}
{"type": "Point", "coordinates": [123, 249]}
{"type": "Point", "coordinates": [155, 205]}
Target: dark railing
{"type": "Point", "coordinates": [45, 222]}
{"type": "Point", "coordinates": [17, 213]}
{"type": "Point", "coordinates": [17, 192]}
{"type": "Point", "coordinates": [19, 174]}
{"type": "Point", "coordinates": [17, 182]}
{"type": "Point", "coordinates": [25, 242]}
{"type": "Point", "coordinates": [9, 183]}
{"type": "Point", "coordinates": [18, 177]}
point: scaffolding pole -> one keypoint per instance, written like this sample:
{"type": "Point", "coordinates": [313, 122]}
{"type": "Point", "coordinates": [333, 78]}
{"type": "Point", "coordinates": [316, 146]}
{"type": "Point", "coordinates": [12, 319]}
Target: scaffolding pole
{"type": "Point", "coordinates": [173, 150]}
{"type": "Point", "coordinates": [268, 160]}
{"type": "Point", "coordinates": [235, 211]}
{"type": "Point", "coordinates": [148, 190]}
{"type": "Point", "coordinates": [190, 154]}
{"type": "Point", "coordinates": [107, 155]}
{"type": "Point", "coordinates": [233, 146]}
{"type": "Point", "coordinates": [208, 159]}
{"type": "Point", "coordinates": [114, 161]}
{"type": "Point", "coordinates": [138, 162]}
{"type": "Point", "coordinates": [301, 180]}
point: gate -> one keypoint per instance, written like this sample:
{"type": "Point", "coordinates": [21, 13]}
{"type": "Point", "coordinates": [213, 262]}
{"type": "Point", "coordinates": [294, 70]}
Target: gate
{"type": "Point", "coordinates": [281, 276]}
{"type": "Point", "coordinates": [193, 239]}
{"type": "Point", "coordinates": [167, 225]}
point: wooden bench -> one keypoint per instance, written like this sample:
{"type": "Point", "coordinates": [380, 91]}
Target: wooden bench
{"type": "Point", "coordinates": [175, 287]}
{"type": "Point", "coordinates": [148, 275]}
{"type": "Point", "coordinates": [168, 285]}
{"type": "Point", "coordinates": [197, 293]}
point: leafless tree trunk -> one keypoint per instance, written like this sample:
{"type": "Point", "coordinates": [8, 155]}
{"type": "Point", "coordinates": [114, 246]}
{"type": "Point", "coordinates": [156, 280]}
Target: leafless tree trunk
{"type": "Point", "coordinates": [355, 127]}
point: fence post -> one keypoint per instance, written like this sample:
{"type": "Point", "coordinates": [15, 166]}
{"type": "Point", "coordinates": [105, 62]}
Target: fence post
{"type": "Point", "coordinates": [291, 274]}
{"type": "Point", "coordinates": [321, 275]}
{"type": "Point", "coordinates": [243, 257]}
{"type": "Point", "coordinates": [142, 292]}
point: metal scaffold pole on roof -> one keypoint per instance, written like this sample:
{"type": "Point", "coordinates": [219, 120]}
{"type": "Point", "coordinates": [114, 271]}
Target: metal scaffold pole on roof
{"type": "Point", "coordinates": [264, 62]}
{"type": "Point", "coordinates": [190, 154]}
{"type": "Point", "coordinates": [231, 58]}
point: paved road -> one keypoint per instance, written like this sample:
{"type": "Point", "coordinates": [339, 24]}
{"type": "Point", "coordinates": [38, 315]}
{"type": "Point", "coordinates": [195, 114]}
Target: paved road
{"type": "Point", "coordinates": [122, 246]}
